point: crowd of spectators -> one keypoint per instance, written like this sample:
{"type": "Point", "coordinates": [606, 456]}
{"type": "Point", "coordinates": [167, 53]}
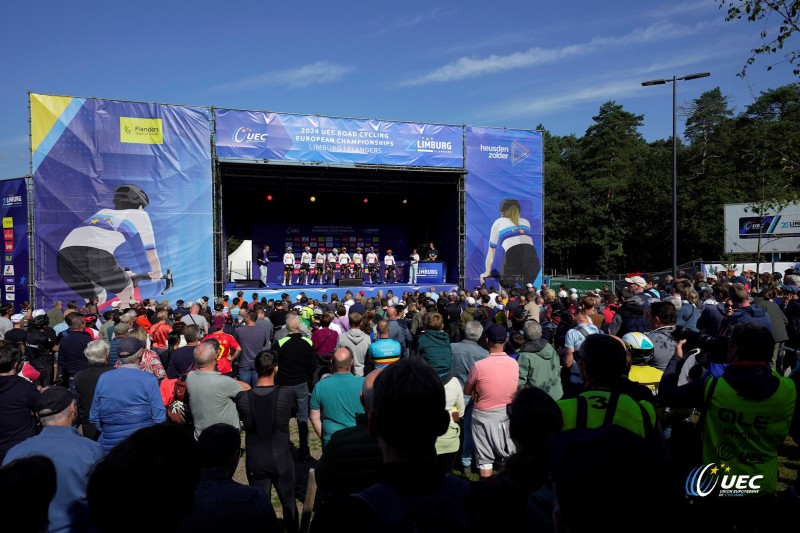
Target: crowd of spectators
{"type": "Point", "coordinates": [522, 409]}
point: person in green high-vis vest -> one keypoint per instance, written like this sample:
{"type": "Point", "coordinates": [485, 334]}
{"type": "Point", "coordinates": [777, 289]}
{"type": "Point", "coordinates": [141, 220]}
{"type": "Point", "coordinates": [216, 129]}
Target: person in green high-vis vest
{"type": "Point", "coordinates": [747, 414]}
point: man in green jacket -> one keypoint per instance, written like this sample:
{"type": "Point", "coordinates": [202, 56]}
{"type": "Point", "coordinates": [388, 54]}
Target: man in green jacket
{"type": "Point", "coordinates": [539, 364]}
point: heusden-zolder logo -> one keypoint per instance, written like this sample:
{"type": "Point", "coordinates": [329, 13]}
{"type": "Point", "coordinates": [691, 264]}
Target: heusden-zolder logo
{"type": "Point", "coordinates": [722, 480]}
{"type": "Point", "coordinates": [141, 130]}
{"type": "Point", "coordinates": [517, 153]}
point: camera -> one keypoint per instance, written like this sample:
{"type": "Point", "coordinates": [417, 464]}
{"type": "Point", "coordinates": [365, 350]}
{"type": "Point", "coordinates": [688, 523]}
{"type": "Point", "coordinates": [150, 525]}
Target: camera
{"type": "Point", "coordinates": [715, 348]}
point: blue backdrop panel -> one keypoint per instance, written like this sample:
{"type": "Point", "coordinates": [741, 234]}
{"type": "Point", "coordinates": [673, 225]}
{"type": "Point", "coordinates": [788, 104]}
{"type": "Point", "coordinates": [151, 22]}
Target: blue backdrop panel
{"type": "Point", "coordinates": [274, 136]}
{"type": "Point", "coordinates": [14, 213]}
{"type": "Point", "coordinates": [103, 144]}
{"type": "Point", "coordinates": [504, 167]}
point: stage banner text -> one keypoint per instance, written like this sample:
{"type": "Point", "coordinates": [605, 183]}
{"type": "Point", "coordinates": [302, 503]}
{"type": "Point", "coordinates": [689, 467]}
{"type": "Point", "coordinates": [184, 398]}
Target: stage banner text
{"type": "Point", "coordinates": [14, 212]}
{"type": "Point", "coordinates": [121, 189]}
{"type": "Point", "coordinates": [503, 207]}
{"type": "Point", "coordinates": [274, 136]}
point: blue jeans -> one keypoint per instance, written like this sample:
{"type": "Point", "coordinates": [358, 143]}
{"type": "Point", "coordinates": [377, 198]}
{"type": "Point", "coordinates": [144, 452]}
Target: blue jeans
{"type": "Point", "coordinates": [248, 375]}
{"type": "Point", "coordinates": [412, 274]}
{"type": "Point", "coordinates": [468, 449]}
{"type": "Point", "coordinates": [301, 391]}
{"type": "Point", "coordinates": [263, 271]}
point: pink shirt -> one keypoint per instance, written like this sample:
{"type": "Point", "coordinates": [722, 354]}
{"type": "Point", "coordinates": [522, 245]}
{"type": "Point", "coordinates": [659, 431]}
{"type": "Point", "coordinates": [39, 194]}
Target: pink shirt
{"type": "Point", "coordinates": [494, 379]}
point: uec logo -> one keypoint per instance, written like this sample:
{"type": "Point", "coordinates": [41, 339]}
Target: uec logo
{"type": "Point", "coordinates": [248, 135]}
{"type": "Point", "coordinates": [703, 480]}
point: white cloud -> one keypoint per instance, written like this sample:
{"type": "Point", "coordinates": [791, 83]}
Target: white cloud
{"type": "Point", "coordinates": [671, 9]}
{"type": "Point", "coordinates": [613, 86]}
{"type": "Point", "coordinates": [611, 90]}
{"type": "Point", "coordinates": [468, 67]}
{"type": "Point", "coordinates": [402, 23]}
{"type": "Point", "coordinates": [300, 77]}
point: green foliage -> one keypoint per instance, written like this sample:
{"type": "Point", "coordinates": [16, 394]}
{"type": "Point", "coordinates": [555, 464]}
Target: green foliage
{"type": "Point", "coordinates": [608, 194]}
{"type": "Point", "coordinates": [233, 244]}
{"type": "Point", "coordinates": [769, 13]}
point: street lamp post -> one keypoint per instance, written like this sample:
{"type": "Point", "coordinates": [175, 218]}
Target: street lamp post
{"type": "Point", "coordinates": [674, 80]}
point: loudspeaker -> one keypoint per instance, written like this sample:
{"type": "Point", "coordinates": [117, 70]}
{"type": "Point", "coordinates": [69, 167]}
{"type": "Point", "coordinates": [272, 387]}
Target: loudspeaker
{"type": "Point", "coordinates": [349, 282]}
{"type": "Point", "coordinates": [249, 284]}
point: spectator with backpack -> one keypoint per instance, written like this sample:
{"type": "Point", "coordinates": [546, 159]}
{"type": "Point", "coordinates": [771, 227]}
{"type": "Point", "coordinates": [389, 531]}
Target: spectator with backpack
{"type": "Point", "coordinates": [572, 344]}
{"type": "Point", "coordinates": [324, 340]}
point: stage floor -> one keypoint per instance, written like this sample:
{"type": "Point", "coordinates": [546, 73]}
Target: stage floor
{"type": "Point", "coordinates": [273, 292]}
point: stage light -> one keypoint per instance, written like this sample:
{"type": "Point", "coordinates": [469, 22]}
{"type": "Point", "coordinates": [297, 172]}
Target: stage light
{"type": "Point", "coordinates": [366, 200]}
{"type": "Point", "coordinates": [313, 198]}
{"type": "Point", "coordinates": [269, 197]}
{"type": "Point", "coordinates": [405, 201]}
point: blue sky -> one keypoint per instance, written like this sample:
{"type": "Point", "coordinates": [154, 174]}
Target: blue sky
{"type": "Point", "coordinates": [516, 63]}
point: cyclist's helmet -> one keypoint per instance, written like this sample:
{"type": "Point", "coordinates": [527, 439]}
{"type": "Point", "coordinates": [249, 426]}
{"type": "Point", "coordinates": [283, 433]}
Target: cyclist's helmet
{"type": "Point", "coordinates": [288, 248]}
{"type": "Point", "coordinates": [130, 196]}
{"type": "Point", "coordinates": [39, 322]}
{"type": "Point", "coordinates": [335, 250]}
{"type": "Point", "coordinates": [389, 252]}
{"type": "Point", "coordinates": [307, 249]}
{"type": "Point", "coordinates": [640, 347]}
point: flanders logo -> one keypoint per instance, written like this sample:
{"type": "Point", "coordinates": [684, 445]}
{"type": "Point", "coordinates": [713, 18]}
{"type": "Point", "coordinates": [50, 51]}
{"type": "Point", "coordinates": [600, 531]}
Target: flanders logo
{"type": "Point", "coordinates": [141, 130]}
{"type": "Point", "coordinates": [703, 480]}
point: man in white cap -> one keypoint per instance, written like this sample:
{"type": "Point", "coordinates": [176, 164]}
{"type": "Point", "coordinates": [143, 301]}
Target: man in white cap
{"type": "Point", "coordinates": [637, 285]}
{"type": "Point", "coordinates": [16, 334]}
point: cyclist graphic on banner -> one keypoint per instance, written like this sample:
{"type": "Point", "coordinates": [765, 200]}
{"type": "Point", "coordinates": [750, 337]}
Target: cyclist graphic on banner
{"type": "Point", "coordinates": [87, 260]}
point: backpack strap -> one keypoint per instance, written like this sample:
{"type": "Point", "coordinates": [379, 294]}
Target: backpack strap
{"type": "Point", "coordinates": [706, 403]}
{"type": "Point", "coordinates": [611, 410]}
{"type": "Point", "coordinates": [582, 412]}
{"type": "Point", "coordinates": [649, 428]}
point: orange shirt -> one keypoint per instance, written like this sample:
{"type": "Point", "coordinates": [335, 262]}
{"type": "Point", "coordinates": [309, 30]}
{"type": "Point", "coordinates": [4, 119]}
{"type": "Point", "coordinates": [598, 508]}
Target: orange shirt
{"type": "Point", "coordinates": [227, 344]}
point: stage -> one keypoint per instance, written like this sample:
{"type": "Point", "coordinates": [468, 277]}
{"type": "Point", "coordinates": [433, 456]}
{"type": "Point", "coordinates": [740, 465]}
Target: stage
{"type": "Point", "coordinates": [274, 292]}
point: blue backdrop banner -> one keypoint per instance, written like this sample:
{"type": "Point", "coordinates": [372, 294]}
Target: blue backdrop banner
{"type": "Point", "coordinates": [14, 212]}
{"type": "Point", "coordinates": [503, 206]}
{"type": "Point", "coordinates": [121, 189]}
{"type": "Point", "coordinates": [274, 136]}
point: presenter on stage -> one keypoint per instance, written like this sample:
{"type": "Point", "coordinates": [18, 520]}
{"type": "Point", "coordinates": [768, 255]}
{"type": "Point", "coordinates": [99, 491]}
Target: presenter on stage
{"type": "Point", "coordinates": [433, 253]}
{"type": "Point", "coordinates": [86, 261]}
{"type": "Point", "coordinates": [512, 232]}
{"type": "Point", "coordinates": [263, 262]}
{"type": "Point", "coordinates": [414, 261]}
